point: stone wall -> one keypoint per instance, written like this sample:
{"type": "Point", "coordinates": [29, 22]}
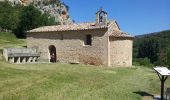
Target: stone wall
{"type": "Point", "coordinates": [120, 51]}
{"type": "Point", "coordinates": [21, 55]}
{"type": "Point", "coordinates": [113, 27]}
{"type": "Point", "coordinates": [70, 46]}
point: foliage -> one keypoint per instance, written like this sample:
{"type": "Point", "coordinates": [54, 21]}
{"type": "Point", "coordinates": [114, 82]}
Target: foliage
{"type": "Point", "coordinates": [142, 62]}
{"type": "Point", "coordinates": [152, 46]}
{"type": "Point", "coordinates": [9, 15]}
{"type": "Point", "coordinates": [150, 49]}
{"type": "Point", "coordinates": [168, 56]}
{"type": "Point", "coordinates": [19, 19]}
{"type": "Point", "coordinates": [31, 18]}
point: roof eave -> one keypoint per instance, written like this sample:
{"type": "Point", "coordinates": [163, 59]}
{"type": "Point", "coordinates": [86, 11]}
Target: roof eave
{"type": "Point", "coordinates": [131, 37]}
{"type": "Point", "coordinates": [65, 30]}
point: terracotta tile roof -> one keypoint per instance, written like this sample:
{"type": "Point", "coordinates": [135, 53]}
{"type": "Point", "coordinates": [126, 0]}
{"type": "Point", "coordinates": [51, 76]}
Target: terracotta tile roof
{"type": "Point", "coordinates": [120, 34]}
{"type": "Point", "coordinates": [81, 26]}
{"type": "Point", "coordinates": [71, 27]}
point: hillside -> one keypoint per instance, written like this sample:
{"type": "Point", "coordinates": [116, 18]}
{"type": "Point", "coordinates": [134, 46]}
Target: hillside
{"type": "Point", "coordinates": [158, 42]}
{"type": "Point", "coordinates": [163, 37]}
{"type": "Point", "coordinates": [9, 40]}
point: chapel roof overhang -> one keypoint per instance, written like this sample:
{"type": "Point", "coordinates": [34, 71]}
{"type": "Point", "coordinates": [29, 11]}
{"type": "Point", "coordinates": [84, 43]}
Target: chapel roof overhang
{"type": "Point", "coordinates": [70, 27]}
{"type": "Point", "coordinates": [119, 34]}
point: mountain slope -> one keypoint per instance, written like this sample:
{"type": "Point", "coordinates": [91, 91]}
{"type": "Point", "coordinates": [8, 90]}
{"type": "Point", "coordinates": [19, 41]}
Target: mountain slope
{"type": "Point", "coordinates": [163, 37]}
{"type": "Point", "coordinates": [146, 43]}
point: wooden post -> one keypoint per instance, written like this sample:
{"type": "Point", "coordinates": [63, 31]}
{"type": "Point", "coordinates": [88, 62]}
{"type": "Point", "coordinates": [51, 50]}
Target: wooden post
{"type": "Point", "coordinates": [162, 88]}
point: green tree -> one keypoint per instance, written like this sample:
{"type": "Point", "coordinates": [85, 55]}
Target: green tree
{"type": "Point", "coordinates": [150, 49]}
{"type": "Point", "coordinates": [163, 38]}
{"type": "Point", "coordinates": [31, 18]}
{"type": "Point", "coordinates": [9, 16]}
{"type": "Point", "coordinates": [168, 56]}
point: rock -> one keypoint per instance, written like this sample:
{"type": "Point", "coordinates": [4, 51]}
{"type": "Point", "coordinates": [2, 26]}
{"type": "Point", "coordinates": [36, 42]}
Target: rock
{"type": "Point", "coordinates": [55, 8]}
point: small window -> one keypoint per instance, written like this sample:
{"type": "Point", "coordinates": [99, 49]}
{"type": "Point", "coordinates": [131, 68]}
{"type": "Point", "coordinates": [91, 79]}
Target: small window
{"type": "Point", "coordinates": [88, 40]}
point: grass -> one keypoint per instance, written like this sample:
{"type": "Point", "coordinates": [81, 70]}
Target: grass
{"type": "Point", "coordinates": [9, 40]}
{"type": "Point", "coordinates": [75, 82]}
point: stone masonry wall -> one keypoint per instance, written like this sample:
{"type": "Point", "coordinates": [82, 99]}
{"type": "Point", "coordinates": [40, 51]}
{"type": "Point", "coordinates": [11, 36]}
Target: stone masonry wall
{"type": "Point", "coordinates": [120, 52]}
{"type": "Point", "coordinates": [8, 51]}
{"type": "Point", "coordinates": [70, 47]}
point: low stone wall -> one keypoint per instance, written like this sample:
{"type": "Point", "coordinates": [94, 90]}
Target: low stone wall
{"type": "Point", "coordinates": [21, 55]}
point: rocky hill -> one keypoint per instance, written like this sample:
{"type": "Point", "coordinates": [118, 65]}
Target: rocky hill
{"type": "Point", "coordinates": [55, 8]}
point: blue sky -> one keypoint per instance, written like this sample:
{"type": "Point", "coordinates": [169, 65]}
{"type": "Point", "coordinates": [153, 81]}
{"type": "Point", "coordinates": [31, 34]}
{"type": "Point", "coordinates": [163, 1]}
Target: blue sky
{"type": "Point", "coordinates": [133, 16]}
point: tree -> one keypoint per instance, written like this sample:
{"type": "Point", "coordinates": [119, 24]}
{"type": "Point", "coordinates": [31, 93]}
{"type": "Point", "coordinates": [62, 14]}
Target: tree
{"type": "Point", "coordinates": [163, 39]}
{"type": "Point", "coordinates": [168, 56]}
{"type": "Point", "coordinates": [9, 16]}
{"type": "Point", "coordinates": [31, 18]}
{"type": "Point", "coordinates": [20, 19]}
{"type": "Point", "coordinates": [150, 49]}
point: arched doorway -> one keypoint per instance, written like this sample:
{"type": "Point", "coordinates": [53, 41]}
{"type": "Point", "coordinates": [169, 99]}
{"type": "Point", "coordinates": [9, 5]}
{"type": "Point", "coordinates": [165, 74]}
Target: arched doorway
{"type": "Point", "coordinates": [52, 51]}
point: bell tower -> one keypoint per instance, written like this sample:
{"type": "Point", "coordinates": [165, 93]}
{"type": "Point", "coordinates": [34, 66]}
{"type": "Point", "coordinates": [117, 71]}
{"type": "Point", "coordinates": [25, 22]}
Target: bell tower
{"type": "Point", "coordinates": [101, 17]}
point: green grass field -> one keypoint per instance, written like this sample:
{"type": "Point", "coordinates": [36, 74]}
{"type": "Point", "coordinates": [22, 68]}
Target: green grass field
{"type": "Point", "coordinates": [9, 40]}
{"type": "Point", "coordinates": [76, 82]}
{"type": "Point", "coordinates": [73, 82]}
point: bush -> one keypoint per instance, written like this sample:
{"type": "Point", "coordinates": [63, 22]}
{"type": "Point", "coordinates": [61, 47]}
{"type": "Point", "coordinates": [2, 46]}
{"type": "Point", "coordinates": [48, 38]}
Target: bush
{"type": "Point", "coordinates": [142, 62]}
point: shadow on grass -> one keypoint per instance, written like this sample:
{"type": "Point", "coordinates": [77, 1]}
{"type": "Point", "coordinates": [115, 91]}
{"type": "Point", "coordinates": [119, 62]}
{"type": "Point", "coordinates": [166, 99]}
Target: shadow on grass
{"type": "Point", "coordinates": [143, 93]}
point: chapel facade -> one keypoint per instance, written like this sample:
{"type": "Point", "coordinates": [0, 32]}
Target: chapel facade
{"type": "Point", "coordinates": [96, 43]}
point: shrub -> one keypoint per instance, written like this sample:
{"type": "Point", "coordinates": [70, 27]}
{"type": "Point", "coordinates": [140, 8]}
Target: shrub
{"type": "Point", "coordinates": [143, 62]}
{"type": "Point", "coordinates": [168, 56]}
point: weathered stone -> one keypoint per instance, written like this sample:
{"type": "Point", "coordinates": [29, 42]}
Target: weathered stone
{"type": "Point", "coordinates": [20, 55]}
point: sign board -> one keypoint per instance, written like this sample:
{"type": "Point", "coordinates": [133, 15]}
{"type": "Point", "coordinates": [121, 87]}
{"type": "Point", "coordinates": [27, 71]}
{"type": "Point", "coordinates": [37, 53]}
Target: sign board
{"type": "Point", "coordinates": [162, 71]}
{"type": "Point", "coordinates": [163, 74]}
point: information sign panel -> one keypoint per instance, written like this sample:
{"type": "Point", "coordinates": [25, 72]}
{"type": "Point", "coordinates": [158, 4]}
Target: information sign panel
{"type": "Point", "coordinates": [163, 74]}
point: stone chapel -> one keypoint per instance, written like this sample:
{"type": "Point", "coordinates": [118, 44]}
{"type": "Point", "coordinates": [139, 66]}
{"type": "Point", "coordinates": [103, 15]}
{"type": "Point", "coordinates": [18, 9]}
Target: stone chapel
{"type": "Point", "coordinates": [96, 43]}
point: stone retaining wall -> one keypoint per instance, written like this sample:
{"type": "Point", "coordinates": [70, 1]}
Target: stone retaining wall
{"type": "Point", "coordinates": [21, 55]}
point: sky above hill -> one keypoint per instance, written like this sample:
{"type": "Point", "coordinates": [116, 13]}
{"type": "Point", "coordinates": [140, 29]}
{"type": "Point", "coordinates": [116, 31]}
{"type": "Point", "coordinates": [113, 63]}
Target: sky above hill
{"type": "Point", "coordinates": [133, 16]}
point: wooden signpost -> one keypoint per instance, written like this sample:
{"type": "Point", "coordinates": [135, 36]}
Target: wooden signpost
{"type": "Point", "coordinates": [163, 74]}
